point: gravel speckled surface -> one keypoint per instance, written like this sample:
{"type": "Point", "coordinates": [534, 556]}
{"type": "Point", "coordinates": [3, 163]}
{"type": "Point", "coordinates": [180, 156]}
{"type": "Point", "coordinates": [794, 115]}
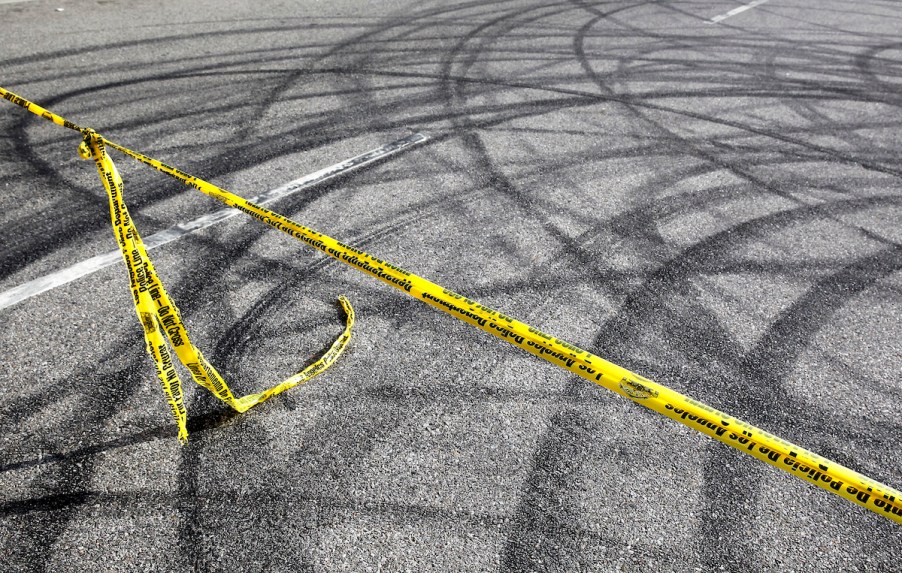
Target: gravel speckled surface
{"type": "Point", "coordinates": [714, 206]}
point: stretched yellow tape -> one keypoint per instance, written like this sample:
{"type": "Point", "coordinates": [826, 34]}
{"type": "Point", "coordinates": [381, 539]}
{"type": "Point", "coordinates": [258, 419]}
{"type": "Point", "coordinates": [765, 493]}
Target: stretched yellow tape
{"type": "Point", "coordinates": [732, 431]}
{"type": "Point", "coordinates": [158, 313]}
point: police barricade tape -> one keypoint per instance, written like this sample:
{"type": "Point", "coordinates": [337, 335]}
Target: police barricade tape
{"type": "Point", "coordinates": [763, 445]}
{"type": "Point", "coordinates": [158, 313]}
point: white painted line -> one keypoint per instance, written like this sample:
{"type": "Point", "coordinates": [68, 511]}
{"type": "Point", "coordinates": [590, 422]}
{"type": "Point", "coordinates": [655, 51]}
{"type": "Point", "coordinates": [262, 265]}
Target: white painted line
{"type": "Point", "coordinates": [88, 266]}
{"type": "Point", "coordinates": [738, 10]}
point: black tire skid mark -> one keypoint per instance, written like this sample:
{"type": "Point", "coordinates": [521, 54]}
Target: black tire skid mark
{"type": "Point", "coordinates": [501, 182]}
{"type": "Point", "coordinates": [553, 457]}
{"type": "Point", "coordinates": [103, 408]}
{"type": "Point", "coordinates": [648, 305]}
{"type": "Point", "coordinates": [199, 282]}
{"type": "Point", "coordinates": [327, 507]}
{"type": "Point", "coordinates": [225, 162]}
{"type": "Point", "coordinates": [640, 306]}
{"type": "Point", "coordinates": [67, 480]}
{"type": "Point", "coordinates": [189, 535]}
{"type": "Point", "coordinates": [705, 345]}
{"type": "Point", "coordinates": [328, 431]}
{"type": "Point", "coordinates": [814, 87]}
{"type": "Point", "coordinates": [293, 76]}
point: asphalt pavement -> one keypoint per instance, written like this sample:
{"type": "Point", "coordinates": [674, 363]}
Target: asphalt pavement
{"type": "Point", "coordinates": [706, 193]}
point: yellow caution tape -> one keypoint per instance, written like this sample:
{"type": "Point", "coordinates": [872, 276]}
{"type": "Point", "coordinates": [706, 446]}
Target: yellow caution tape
{"type": "Point", "coordinates": [158, 313]}
{"type": "Point", "coordinates": [732, 431]}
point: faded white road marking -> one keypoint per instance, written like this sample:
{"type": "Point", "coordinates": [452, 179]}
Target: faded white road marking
{"type": "Point", "coordinates": [88, 266]}
{"type": "Point", "coordinates": [738, 10]}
